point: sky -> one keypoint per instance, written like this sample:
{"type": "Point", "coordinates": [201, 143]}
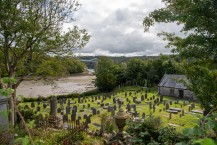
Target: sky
{"type": "Point", "coordinates": [116, 28]}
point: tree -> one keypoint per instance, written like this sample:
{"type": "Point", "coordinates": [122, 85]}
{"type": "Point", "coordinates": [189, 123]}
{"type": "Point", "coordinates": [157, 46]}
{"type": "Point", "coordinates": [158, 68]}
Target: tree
{"type": "Point", "coordinates": [136, 70]}
{"type": "Point", "coordinates": [30, 29]}
{"type": "Point", "coordinates": [105, 74]}
{"type": "Point", "coordinates": [198, 47]}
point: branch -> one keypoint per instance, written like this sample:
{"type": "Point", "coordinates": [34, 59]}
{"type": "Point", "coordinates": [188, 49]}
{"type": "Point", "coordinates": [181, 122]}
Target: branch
{"type": "Point", "coordinates": [24, 123]}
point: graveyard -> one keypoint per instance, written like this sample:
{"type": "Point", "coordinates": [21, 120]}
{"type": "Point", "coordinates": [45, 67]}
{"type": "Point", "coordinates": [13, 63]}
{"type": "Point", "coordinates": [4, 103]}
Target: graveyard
{"type": "Point", "coordinates": [138, 102]}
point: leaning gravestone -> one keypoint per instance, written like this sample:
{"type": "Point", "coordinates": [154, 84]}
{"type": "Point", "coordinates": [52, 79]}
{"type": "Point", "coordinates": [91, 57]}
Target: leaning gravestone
{"type": "Point", "coordinates": [4, 105]}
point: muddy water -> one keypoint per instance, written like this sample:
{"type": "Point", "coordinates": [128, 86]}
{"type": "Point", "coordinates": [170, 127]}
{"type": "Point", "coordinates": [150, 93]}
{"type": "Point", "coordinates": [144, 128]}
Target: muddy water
{"type": "Point", "coordinates": [72, 84]}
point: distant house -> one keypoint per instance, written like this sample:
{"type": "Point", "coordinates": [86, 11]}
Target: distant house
{"type": "Point", "coordinates": [171, 85]}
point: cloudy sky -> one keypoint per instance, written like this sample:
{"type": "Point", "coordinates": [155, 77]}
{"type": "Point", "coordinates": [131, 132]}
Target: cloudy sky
{"type": "Point", "coordinates": [116, 28]}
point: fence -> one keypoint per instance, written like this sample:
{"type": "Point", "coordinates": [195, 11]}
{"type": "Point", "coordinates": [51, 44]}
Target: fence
{"type": "Point", "coordinates": [48, 122]}
{"type": "Point", "coordinates": [72, 134]}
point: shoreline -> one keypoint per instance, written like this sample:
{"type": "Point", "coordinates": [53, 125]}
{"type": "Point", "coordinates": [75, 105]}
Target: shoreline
{"type": "Point", "coordinates": [38, 87]}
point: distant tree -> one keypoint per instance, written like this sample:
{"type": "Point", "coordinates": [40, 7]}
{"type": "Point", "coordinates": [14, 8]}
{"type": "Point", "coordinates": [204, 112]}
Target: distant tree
{"type": "Point", "coordinates": [33, 28]}
{"type": "Point", "coordinates": [198, 47]}
{"type": "Point", "coordinates": [136, 70]}
{"type": "Point", "coordinates": [105, 74]}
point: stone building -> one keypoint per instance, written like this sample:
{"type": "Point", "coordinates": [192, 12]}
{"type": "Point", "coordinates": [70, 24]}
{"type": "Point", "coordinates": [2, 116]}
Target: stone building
{"type": "Point", "coordinates": [172, 85]}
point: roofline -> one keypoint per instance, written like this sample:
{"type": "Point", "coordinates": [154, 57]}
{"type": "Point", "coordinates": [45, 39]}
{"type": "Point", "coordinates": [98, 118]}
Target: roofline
{"type": "Point", "coordinates": [162, 79]}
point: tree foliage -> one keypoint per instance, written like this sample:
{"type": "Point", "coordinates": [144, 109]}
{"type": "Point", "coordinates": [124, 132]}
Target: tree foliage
{"type": "Point", "coordinates": [198, 45]}
{"type": "Point", "coordinates": [105, 74]}
{"type": "Point", "coordinates": [31, 29]}
{"type": "Point", "coordinates": [134, 72]}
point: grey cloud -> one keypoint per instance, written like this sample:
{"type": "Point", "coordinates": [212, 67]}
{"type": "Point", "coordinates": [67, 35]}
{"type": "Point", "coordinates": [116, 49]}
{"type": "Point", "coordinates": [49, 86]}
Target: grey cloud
{"type": "Point", "coordinates": [120, 31]}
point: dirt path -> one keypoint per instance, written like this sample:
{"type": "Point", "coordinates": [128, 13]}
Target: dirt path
{"type": "Point", "coordinates": [72, 84]}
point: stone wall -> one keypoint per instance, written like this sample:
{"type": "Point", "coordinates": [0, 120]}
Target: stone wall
{"type": "Point", "coordinates": [175, 93]}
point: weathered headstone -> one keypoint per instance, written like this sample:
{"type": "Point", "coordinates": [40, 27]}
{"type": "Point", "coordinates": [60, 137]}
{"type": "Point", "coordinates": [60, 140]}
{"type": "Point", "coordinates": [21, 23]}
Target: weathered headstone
{"type": "Point", "coordinates": [167, 106]}
{"type": "Point", "coordinates": [58, 110]}
{"type": "Point", "coordinates": [53, 106]}
{"type": "Point", "coordinates": [32, 104]}
{"type": "Point", "coordinates": [183, 112]}
{"type": "Point", "coordinates": [142, 98]}
{"type": "Point", "coordinates": [44, 105]}
{"type": "Point", "coordinates": [38, 109]}
{"type": "Point", "coordinates": [143, 115]}
{"type": "Point", "coordinates": [98, 112]}
{"type": "Point", "coordinates": [94, 111]}
{"type": "Point", "coordinates": [161, 98]}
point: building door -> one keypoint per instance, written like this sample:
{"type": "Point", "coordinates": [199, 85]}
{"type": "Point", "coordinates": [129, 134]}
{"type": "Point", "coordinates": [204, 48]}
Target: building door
{"type": "Point", "coordinates": [181, 93]}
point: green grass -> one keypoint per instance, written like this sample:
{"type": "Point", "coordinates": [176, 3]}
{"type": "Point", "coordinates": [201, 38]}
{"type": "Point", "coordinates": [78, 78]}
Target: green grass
{"type": "Point", "coordinates": [188, 120]}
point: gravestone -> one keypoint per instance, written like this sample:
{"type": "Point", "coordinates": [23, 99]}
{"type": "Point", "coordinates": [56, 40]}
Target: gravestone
{"type": "Point", "coordinates": [75, 108]}
{"type": "Point", "coordinates": [44, 105]}
{"type": "Point", "coordinates": [79, 99]}
{"type": "Point", "coordinates": [38, 109]}
{"type": "Point", "coordinates": [53, 106]}
{"type": "Point", "coordinates": [114, 101]}
{"type": "Point", "coordinates": [94, 111]}
{"type": "Point", "coordinates": [32, 104]}
{"type": "Point", "coordinates": [150, 105]}
{"type": "Point", "coordinates": [183, 112]}
{"type": "Point", "coordinates": [143, 115]}
{"type": "Point", "coordinates": [154, 108]}
{"type": "Point", "coordinates": [39, 102]}
{"type": "Point", "coordinates": [73, 117]}
{"type": "Point", "coordinates": [109, 109]}
{"type": "Point", "coordinates": [115, 107]}
{"type": "Point", "coordinates": [128, 107]}
{"type": "Point", "coordinates": [157, 100]}
{"type": "Point", "coordinates": [69, 102]}
{"type": "Point", "coordinates": [161, 98]}
{"type": "Point", "coordinates": [170, 116]}
{"type": "Point", "coordinates": [67, 110]}
{"type": "Point", "coordinates": [192, 106]}
{"type": "Point", "coordinates": [4, 106]}
{"type": "Point", "coordinates": [58, 110]}
{"type": "Point", "coordinates": [142, 98]}
{"type": "Point", "coordinates": [65, 118]}
{"type": "Point", "coordinates": [102, 104]}
{"type": "Point", "coordinates": [98, 111]}
{"type": "Point", "coordinates": [79, 117]}
{"type": "Point", "coordinates": [85, 116]}
{"type": "Point", "coordinates": [167, 106]}
{"type": "Point", "coordinates": [146, 96]}
{"type": "Point", "coordinates": [171, 102]}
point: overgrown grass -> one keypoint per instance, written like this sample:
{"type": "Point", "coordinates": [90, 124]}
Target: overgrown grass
{"type": "Point", "coordinates": [188, 120]}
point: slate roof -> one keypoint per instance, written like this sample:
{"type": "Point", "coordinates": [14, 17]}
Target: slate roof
{"type": "Point", "coordinates": [173, 81]}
